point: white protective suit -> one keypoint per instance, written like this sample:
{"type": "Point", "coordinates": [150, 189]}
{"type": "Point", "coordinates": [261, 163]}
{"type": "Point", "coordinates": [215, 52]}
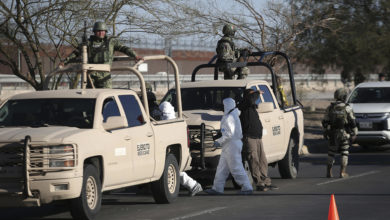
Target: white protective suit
{"type": "Point", "coordinates": [230, 160]}
{"type": "Point", "coordinates": [168, 112]}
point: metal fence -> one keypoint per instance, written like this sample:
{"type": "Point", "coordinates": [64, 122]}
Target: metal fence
{"type": "Point", "coordinates": [9, 83]}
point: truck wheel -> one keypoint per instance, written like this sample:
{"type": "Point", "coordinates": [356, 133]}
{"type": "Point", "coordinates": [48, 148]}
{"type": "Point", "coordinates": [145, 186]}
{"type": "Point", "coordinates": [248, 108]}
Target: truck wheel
{"type": "Point", "coordinates": [89, 203]}
{"type": "Point", "coordinates": [289, 165]}
{"type": "Point", "coordinates": [166, 189]}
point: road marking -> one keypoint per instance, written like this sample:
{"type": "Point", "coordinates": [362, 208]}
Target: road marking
{"type": "Point", "coordinates": [350, 177]}
{"type": "Point", "coordinates": [199, 213]}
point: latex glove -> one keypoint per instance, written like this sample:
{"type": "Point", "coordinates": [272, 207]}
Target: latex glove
{"type": "Point", "coordinates": [216, 145]}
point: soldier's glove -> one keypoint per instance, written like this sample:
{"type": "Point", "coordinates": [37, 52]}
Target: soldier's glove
{"type": "Point", "coordinates": [216, 145]}
{"type": "Point", "coordinates": [353, 139]}
{"type": "Point", "coordinates": [326, 136]}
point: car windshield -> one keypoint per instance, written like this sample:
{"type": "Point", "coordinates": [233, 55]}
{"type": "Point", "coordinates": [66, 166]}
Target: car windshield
{"type": "Point", "coordinates": [370, 95]}
{"type": "Point", "coordinates": [48, 112]}
{"type": "Point", "coordinates": [205, 98]}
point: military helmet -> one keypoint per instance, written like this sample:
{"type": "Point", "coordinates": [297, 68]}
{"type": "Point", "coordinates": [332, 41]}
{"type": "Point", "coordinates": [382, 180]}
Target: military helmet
{"type": "Point", "coordinates": [341, 94]}
{"type": "Point", "coordinates": [99, 26]}
{"type": "Point", "coordinates": [148, 87]}
{"type": "Point", "coordinates": [229, 29]}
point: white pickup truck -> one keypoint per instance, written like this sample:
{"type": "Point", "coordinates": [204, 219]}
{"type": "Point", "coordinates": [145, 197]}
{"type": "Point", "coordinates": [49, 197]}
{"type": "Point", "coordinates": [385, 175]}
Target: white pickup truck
{"type": "Point", "coordinates": [281, 116]}
{"type": "Point", "coordinates": [75, 144]}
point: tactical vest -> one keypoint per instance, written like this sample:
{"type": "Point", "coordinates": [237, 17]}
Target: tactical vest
{"type": "Point", "coordinates": [99, 51]}
{"type": "Point", "coordinates": [225, 54]}
{"type": "Point", "coordinates": [338, 116]}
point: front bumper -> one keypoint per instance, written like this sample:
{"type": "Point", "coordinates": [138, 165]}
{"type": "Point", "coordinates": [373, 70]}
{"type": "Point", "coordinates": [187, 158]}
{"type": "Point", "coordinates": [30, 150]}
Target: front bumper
{"type": "Point", "coordinates": [43, 191]}
{"type": "Point", "coordinates": [373, 137]}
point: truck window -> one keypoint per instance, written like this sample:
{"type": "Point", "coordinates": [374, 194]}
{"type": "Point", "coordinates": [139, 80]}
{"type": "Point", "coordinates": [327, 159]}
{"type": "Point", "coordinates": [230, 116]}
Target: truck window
{"type": "Point", "coordinates": [48, 112]}
{"type": "Point", "coordinates": [267, 96]}
{"type": "Point", "coordinates": [258, 100]}
{"type": "Point", "coordinates": [208, 97]}
{"type": "Point", "coordinates": [132, 110]}
{"type": "Point", "coordinates": [110, 108]}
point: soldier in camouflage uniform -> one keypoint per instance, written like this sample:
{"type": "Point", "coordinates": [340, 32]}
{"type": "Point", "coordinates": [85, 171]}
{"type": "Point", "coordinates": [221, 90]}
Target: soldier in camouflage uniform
{"type": "Point", "coordinates": [101, 51]}
{"type": "Point", "coordinates": [227, 53]}
{"type": "Point", "coordinates": [340, 129]}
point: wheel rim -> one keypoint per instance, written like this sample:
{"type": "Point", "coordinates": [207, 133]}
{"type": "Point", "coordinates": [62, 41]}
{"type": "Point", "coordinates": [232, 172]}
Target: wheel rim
{"type": "Point", "coordinates": [91, 192]}
{"type": "Point", "coordinates": [171, 179]}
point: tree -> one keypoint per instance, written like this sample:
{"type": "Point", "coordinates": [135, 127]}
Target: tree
{"type": "Point", "coordinates": [40, 30]}
{"type": "Point", "coordinates": [355, 41]}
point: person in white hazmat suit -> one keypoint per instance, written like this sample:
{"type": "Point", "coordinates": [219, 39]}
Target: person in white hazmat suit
{"type": "Point", "coordinates": [168, 112]}
{"type": "Point", "coordinates": [230, 160]}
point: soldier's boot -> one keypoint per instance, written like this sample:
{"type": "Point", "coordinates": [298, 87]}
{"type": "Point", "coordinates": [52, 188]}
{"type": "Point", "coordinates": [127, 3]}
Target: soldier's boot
{"type": "Point", "coordinates": [343, 172]}
{"type": "Point", "coordinates": [329, 173]}
{"type": "Point", "coordinates": [343, 168]}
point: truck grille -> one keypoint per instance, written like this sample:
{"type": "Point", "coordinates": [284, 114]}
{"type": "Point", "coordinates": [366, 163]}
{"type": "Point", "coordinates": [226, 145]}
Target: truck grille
{"type": "Point", "coordinates": [195, 136]}
{"type": "Point", "coordinates": [11, 167]}
{"type": "Point", "coordinates": [18, 163]}
{"type": "Point", "coordinates": [370, 115]}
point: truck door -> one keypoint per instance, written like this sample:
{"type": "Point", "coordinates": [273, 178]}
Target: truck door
{"type": "Point", "coordinates": [142, 139]}
{"type": "Point", "coordinates": [274, 123]}
{"type": "Point", "coordinates": [118, 148]}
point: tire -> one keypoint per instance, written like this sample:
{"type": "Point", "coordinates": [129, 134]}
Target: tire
{"type": "Point", "coordinates": [89, 203]}
{"type": "Point", "coordinates": [166, 189]}
{"type": "Point", "coordinates": [289, 165]}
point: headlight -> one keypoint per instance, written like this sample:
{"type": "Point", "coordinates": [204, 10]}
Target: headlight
{"type": "Point", "coordinates": [62, 156]}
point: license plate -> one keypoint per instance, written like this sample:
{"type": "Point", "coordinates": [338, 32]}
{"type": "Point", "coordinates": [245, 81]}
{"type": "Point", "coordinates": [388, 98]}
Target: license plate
{"type": "Point", "coordinates": [365, 124]}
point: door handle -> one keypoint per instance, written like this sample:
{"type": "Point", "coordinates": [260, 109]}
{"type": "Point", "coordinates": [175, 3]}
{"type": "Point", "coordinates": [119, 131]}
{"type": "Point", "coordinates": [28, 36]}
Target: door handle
{"type": "Point", "coordinates": [149, 134]}
{"type": "Point", "coordinates": [267, 120]}
{"type": "Point", "coordinates": [281, 117]}
{"type": "Point", "coordinates": [127, 138]}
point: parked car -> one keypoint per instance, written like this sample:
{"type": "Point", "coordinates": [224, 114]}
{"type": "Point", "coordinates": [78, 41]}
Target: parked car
{"type": "Point", "coordinates": [370, 102]}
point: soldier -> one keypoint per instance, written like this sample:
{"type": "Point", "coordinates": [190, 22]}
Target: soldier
{"type": "Point", "coordinates": [227, 53]}
{"type": "Point", "coordinates": [101, 51]}
{"type": "Point", "coordinates": [340, 129]}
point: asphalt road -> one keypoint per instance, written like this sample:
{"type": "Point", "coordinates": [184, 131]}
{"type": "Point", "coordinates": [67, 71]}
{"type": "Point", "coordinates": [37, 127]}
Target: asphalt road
{"type": "Point", "coordinates": [363, 195]}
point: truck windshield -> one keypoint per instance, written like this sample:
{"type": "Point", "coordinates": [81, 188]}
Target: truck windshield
{"type": "Point", "coordinates": [48, 112]}
{"type": "Point", "coordinates": [370, 95]}
{"type": "Point", "coordinates": [205, 98]}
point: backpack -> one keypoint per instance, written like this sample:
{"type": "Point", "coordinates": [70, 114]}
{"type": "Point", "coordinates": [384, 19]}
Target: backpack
{"type": "Point", "coordinates": [338, 117]}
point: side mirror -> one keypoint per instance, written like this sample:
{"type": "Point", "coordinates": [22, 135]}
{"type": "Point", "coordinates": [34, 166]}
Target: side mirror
{"type": "Point", "coordinates": [115, 122]}
{"type": "Point", "coordinates": [265, 107]}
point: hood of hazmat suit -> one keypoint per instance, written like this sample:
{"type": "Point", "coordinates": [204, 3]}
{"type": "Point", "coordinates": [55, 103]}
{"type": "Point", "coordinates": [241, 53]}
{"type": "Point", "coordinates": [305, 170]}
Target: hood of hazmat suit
{"type": "Point", "coordinates": [230, 123]}
{"type": "Point", "coordinates": [167, 110]}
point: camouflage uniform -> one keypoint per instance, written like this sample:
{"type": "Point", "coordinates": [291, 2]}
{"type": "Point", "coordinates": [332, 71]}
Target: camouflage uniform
{"type": "Point", "coordinates": [227, 53]}
{"type": "Point", "coordinates": [339, 128]}
{"type": "Point", "coordinates": [101, 51]}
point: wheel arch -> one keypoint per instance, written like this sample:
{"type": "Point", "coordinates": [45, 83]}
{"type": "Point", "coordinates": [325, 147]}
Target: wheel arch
{"type": "Point", "coordinates": [175, 149]}
{"type": "Point", "coordinates": [97, 161]}
{"type": "Point", "coordinates": [294, 134]}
